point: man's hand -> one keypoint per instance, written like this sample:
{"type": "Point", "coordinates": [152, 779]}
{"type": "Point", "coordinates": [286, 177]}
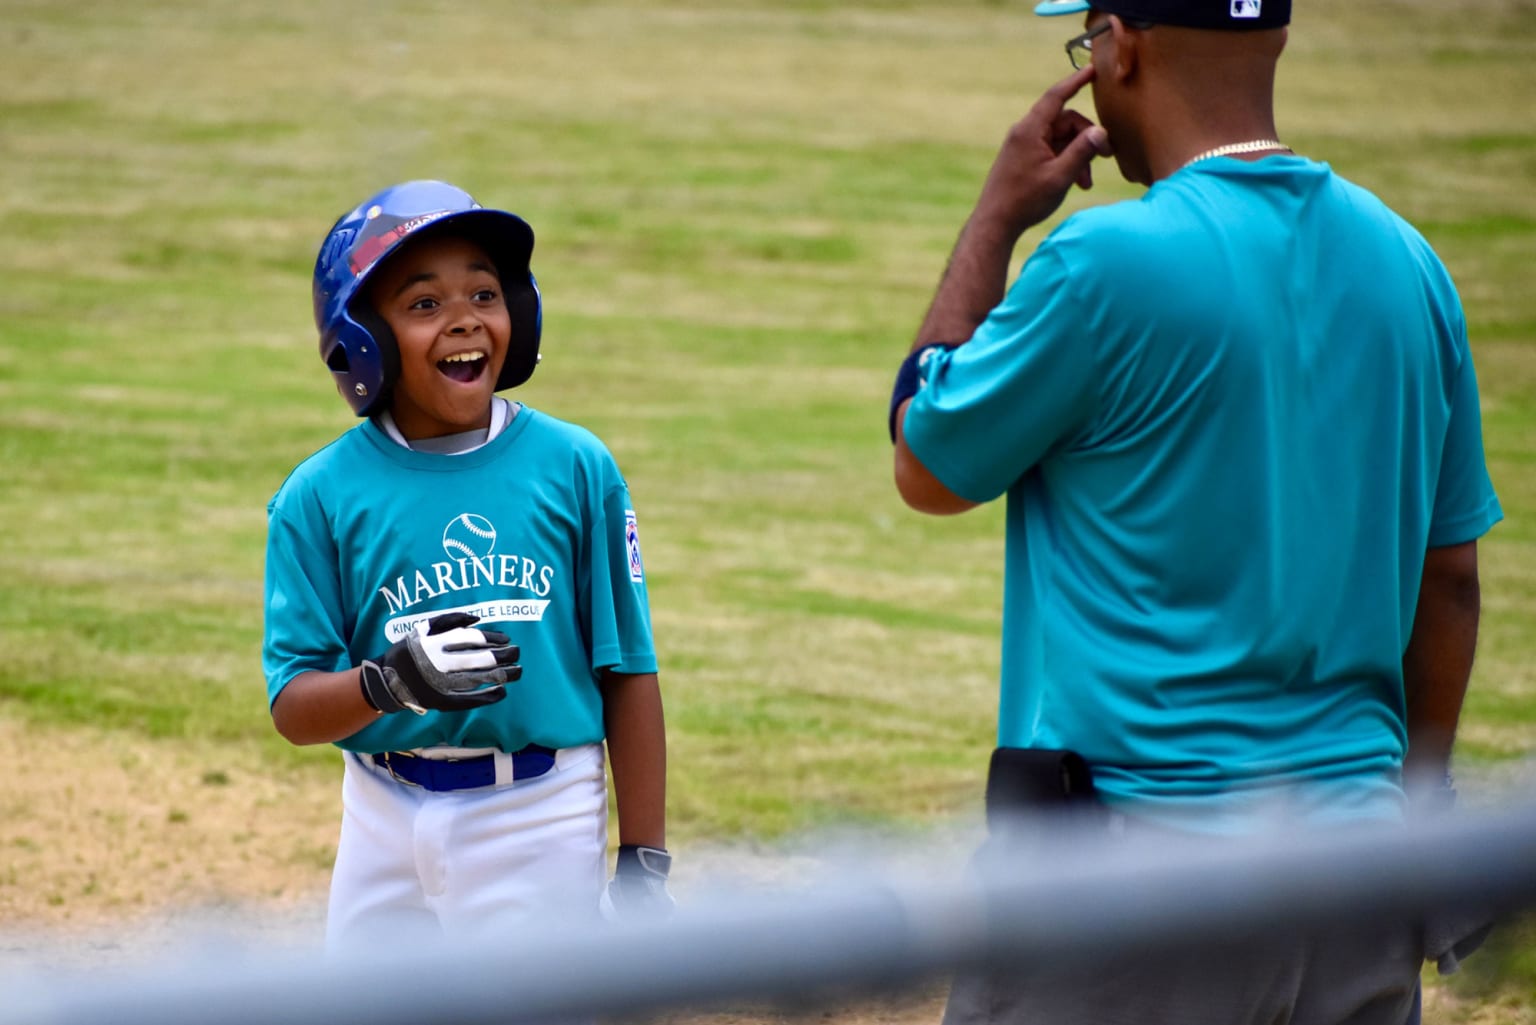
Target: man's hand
{"type": "Point", "coordinates": [1045, 153]}
{"type": "Point", "coordinates": [443, 664]}
{"type": "Point", "coordinates": [638, 890]}
{"type": "Point", "coordinates": [1454, 932]}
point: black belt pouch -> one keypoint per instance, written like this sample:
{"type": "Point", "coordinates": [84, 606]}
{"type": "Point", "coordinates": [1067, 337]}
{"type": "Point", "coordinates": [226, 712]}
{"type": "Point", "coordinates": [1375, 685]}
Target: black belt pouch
{"type": "Point", "coordinates": [1023, 780]}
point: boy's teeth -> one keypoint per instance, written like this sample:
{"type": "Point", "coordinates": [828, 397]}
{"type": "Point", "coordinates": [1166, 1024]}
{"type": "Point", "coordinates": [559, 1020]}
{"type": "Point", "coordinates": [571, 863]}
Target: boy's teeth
{"type": "Point", "coordinates": [463, 367]}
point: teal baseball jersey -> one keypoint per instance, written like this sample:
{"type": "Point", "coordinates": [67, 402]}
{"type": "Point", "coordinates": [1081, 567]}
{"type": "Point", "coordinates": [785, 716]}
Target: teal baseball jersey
{"type": "Point", "coordinates": [535, 533]}
{"type": "Point", "coordinates": [1229, 419]}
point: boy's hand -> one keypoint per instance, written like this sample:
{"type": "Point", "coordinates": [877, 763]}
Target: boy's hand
{"type": "Point", "coordinates": [443, 664]}
{"type": "Point", "coordinates": [638, 890]}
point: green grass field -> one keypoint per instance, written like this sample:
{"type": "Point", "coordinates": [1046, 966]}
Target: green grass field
{"type": "Point", "coordinates": [742, 208]}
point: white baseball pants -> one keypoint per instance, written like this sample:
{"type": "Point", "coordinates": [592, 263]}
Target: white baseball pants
{"type": "Point", "coordinates": [469, 862]}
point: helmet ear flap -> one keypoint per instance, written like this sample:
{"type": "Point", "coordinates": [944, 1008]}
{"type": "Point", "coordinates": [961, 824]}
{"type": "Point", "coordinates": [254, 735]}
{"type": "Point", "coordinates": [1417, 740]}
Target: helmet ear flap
{"type": "Point", "coordinates": [364, 360]}
{"type": "Point", "coordinates": [525, 308]}
{"type": "Point", "coordinates": [388, 350]}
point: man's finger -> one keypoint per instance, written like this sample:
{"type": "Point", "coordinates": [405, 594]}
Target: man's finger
{"type": "Point", "coordinates": [1097, 139]}
{"type": "Point", "coordinates": [1069, 124]}
{"type": "Point", "coordinates": [1091, 142]}
{"type": "Point", "coordinates": [1056, 97]}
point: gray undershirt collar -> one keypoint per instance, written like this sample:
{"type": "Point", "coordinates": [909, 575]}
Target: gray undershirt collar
{"type": "Point", "coordinates": [502, 413]}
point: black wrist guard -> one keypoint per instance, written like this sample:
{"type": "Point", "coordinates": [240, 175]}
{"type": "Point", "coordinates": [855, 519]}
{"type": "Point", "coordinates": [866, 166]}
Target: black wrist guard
{"type": "Point", "coordinates": [637, 860]}
{"type": "Point", "coordinates": [912, 377]}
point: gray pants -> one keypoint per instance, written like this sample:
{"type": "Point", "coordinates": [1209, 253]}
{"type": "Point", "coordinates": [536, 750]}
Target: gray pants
{"type": "Point", "coordinates": [1353, 976]}
{"type": "Point", "coordinates": [1359, 973]}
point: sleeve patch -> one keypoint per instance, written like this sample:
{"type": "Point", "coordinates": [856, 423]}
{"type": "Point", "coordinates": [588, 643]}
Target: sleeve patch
{"type": "Point", "coordinates": [632, 546]}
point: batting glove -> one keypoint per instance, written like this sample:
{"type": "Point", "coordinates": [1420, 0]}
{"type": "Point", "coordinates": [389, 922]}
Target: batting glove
{"type": "Point", "coordinates": [443, 664]}
{"type": "Point", "coordinates": [638, 890]}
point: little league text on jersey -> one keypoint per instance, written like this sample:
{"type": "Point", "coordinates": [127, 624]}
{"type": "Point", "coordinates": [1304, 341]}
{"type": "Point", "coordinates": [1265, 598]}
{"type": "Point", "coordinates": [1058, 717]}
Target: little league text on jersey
{"type": "Point", "coordinates": [487, 612]}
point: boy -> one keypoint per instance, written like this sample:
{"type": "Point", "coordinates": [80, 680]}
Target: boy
{"type": "Point", "coordinates": [474, 791]}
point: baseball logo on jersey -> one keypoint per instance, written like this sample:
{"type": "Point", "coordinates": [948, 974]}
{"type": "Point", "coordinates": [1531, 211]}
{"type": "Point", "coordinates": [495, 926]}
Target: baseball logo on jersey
{"type": "Point", "coordinates": [520, 585]}
{"type": "Point", "coordinates": [632, 545]}
{"type": "Point", "coordinates": [469, 536]}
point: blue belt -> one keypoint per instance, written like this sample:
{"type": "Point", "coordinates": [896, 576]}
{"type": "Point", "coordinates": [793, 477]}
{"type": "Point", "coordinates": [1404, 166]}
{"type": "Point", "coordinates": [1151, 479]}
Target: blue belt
{"type": "Point", "coordinates": [446, 774]}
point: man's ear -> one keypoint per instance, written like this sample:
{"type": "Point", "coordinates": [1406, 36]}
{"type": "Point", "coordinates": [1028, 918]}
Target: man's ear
{"type": "Point", "coordinates": [1127, 49]}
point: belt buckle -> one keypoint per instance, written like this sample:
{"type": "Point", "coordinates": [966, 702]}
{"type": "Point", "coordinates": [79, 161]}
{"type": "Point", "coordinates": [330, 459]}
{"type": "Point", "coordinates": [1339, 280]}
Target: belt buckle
{"type": "Point", "coordinates": [388, 757]}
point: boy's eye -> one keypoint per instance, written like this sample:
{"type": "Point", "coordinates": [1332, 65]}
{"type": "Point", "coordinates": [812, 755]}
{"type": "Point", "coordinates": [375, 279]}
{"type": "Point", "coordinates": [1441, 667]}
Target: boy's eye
{"type": "Point", "coordinates": [424, 303]}
{"type": "Point", "coordinates": [485, 295]}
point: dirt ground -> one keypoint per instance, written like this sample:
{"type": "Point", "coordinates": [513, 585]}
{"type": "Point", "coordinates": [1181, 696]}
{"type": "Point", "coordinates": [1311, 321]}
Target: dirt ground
{"type": "Point", "coordinates": [100, 829]}
{"type": "Point", "coordinates": [115, 850]}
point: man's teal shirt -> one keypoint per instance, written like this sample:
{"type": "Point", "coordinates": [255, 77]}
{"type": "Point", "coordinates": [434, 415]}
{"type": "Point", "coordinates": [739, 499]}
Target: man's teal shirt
{"type": "Point", "coordinates": [1229, 419]}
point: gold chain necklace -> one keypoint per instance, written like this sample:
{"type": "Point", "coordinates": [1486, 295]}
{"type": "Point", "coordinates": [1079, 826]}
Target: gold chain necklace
{"type": "Point", "coordinates": [1252, 146]}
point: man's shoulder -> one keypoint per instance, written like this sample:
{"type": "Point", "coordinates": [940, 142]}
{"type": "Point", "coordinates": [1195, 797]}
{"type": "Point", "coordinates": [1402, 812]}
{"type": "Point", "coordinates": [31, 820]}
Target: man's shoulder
{"type": "Point", "coordinates": [1179, 209]}
{"type": "Point", "coordinates": [1119, 216]}
{"type": "Point", "coordinates": [1394, 234]}
{"type": "Point", "coordinates": [1141, 224]}
{"type": "Point", "coordinates": [1098, 246]}
{"type": "Point", "coordinates": [1368, 203]}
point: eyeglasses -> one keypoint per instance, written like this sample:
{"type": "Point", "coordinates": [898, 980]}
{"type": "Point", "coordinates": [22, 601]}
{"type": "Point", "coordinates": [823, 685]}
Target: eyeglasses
{"type": "Point", "coordinates": [1080, 48]}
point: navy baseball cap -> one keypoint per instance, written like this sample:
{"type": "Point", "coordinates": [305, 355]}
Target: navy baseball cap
{"type": "Point", "coordinates": [1217, 14]}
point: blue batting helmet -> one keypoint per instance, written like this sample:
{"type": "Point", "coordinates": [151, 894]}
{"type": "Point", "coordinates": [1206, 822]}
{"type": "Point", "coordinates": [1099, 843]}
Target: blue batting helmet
{"type": "Point", "coordinates": [355, 343]}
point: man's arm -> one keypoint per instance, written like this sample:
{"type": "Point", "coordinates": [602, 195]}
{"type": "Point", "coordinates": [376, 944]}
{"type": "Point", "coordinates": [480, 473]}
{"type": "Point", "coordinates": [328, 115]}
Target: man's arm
{"type": "Point", "coordinates": [919, 488]}
{"type": "Point", "coordinates": [1436, 668]}
{"type": "Point", "coordinates": [1045, 153]}
{"type": "Point", "coordinates": [1438, 662]}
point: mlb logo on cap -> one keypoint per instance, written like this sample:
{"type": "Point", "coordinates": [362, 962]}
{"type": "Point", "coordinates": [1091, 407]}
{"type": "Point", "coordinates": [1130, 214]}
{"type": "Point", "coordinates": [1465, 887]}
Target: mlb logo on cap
{"type": "Point", "coordinates": [1246, 8]}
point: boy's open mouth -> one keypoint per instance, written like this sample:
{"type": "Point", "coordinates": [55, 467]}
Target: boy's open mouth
{"type": "Point", "coordinates": [463, 366]}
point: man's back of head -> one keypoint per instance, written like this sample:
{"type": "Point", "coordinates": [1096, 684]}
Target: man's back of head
{"type": "Point", "coordinates": [1176, 78]}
